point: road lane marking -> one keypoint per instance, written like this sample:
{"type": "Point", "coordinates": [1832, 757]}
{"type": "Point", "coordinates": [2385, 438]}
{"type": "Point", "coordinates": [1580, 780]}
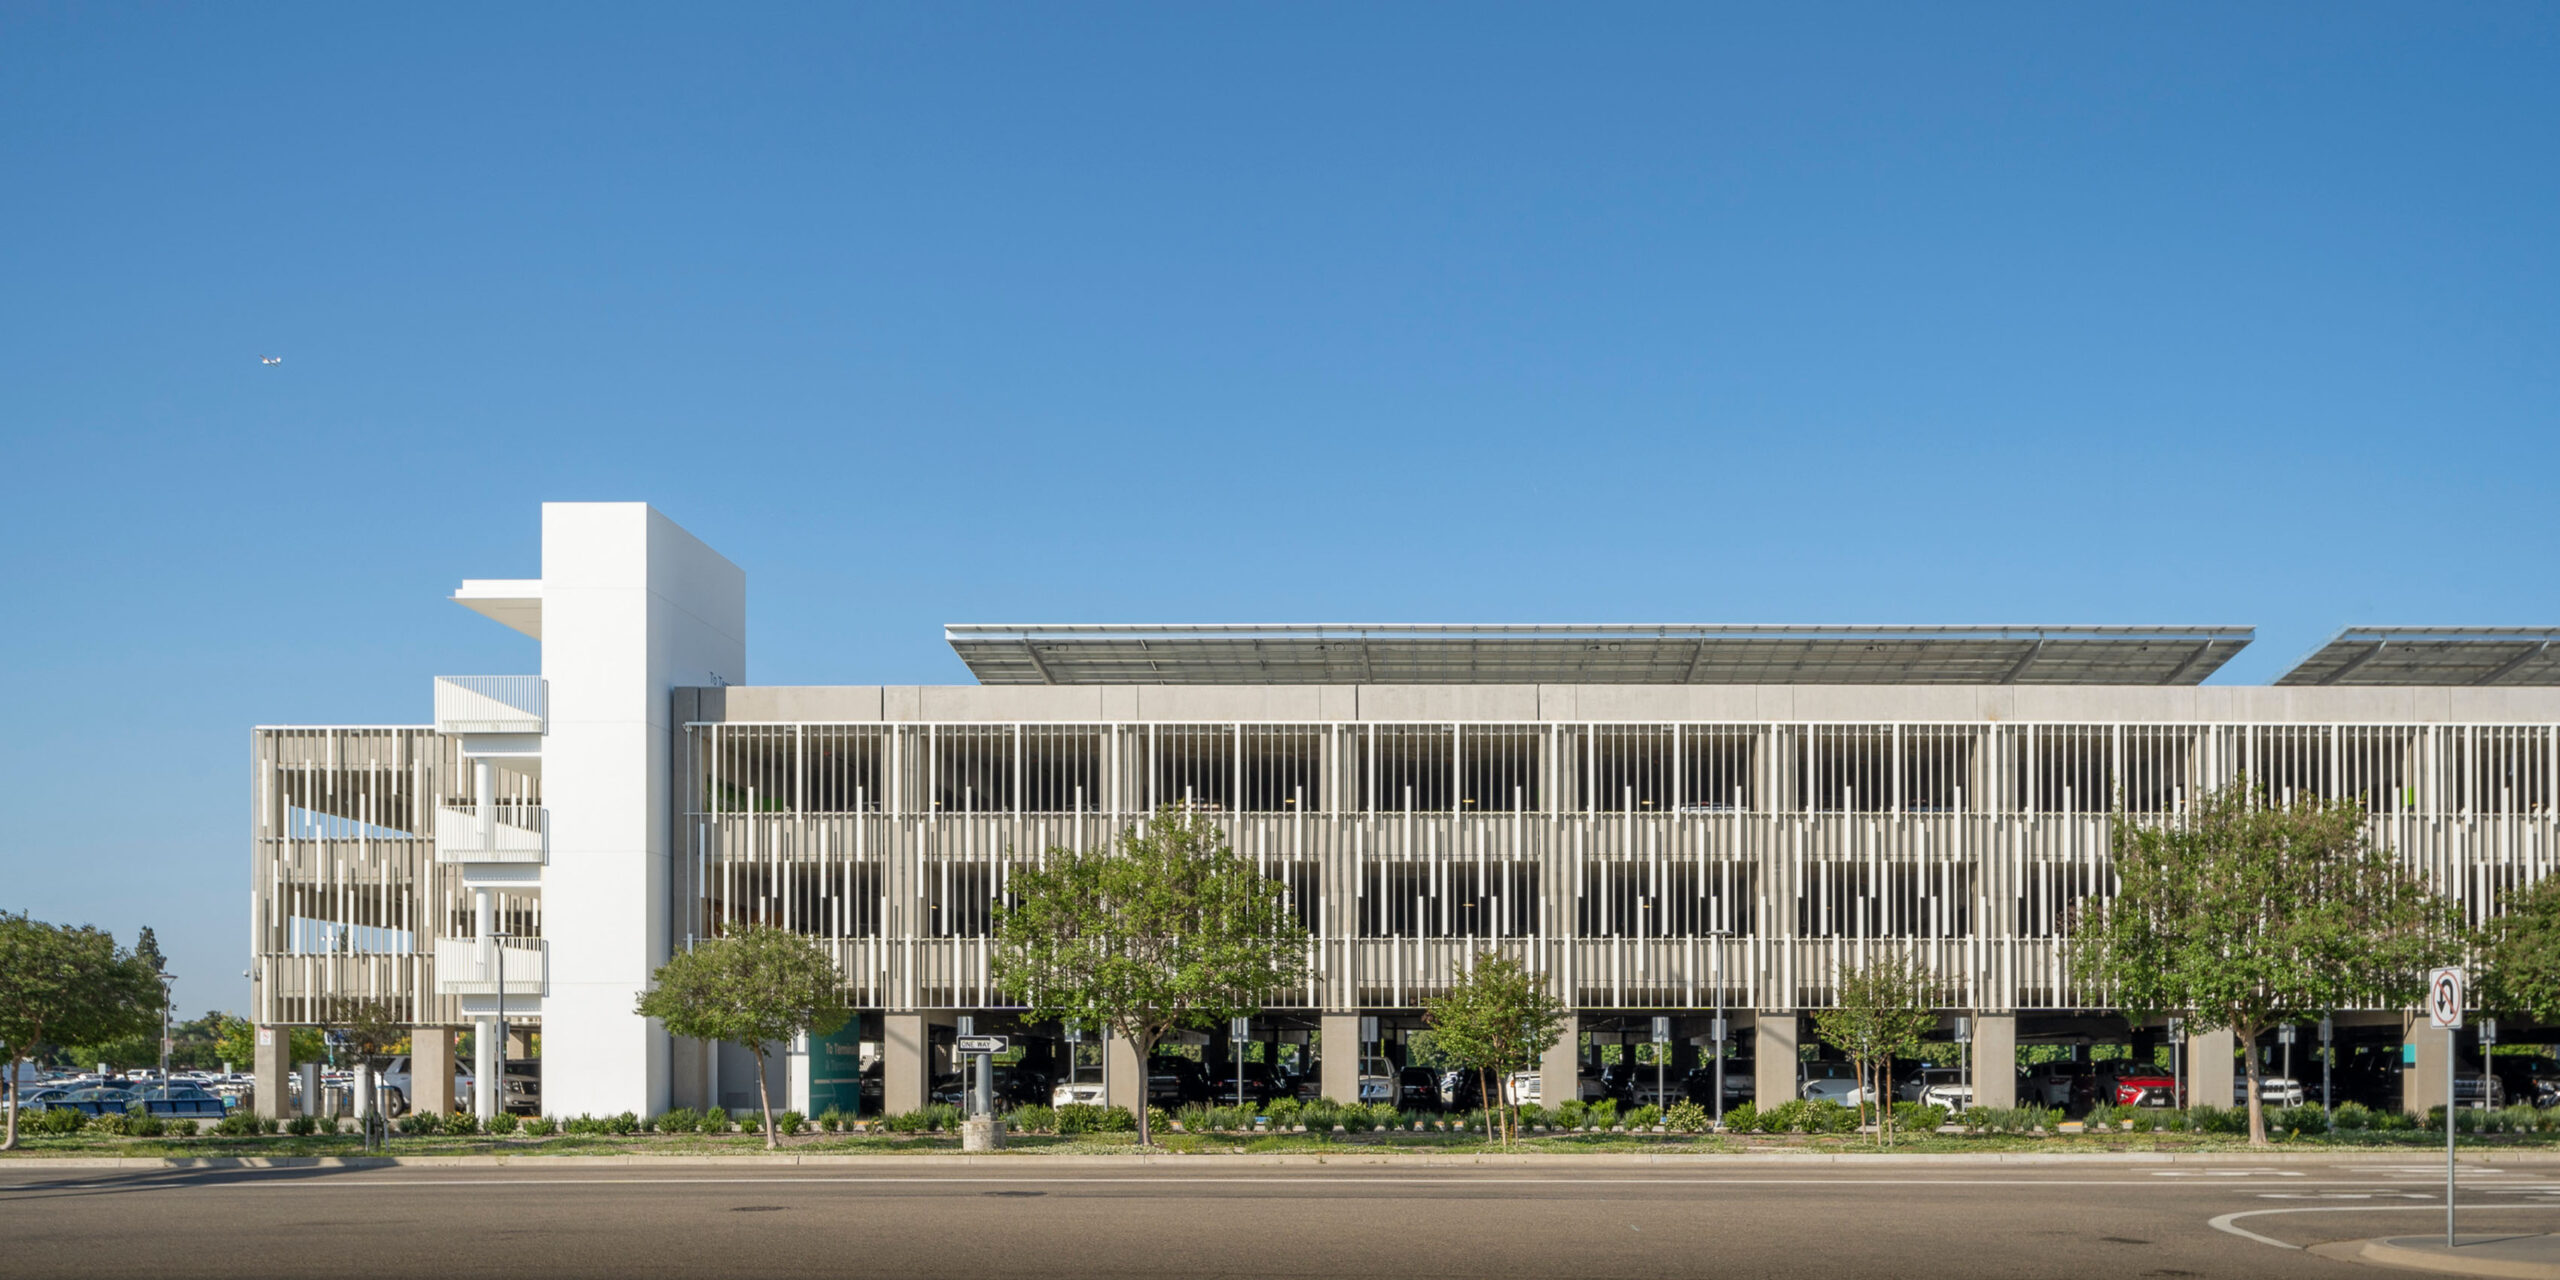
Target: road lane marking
{"type": "Point", "coordinates": [2226, 1221]}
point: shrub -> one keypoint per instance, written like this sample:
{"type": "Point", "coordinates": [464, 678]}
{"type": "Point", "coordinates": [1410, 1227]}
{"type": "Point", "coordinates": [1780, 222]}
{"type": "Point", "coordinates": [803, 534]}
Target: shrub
{"type": "Point", "coordinates": [540, 1126]}
{"type": "Point", "coordinates": [1825, 1116]}
{"type": "Point", "coordinates": [1320, 1115]}
{"type": "Point", "coordinates": [2353, 1117]}
{"type": "Point", "coordinates": [299, 1126]}
{"type": "Point", "coordinates": [503, 1123]}
{"type": "Point", "coordinates": [1687, 1117]}
{"type": "Point", "coordinates": [788, 1122]}
{"type": "Point", "coordinates": [1193, 1117]}
{"type": "Point", "coordinates": [238, 1124]}
{"type": "Point", "coordinates": [2225, 1120]}
{"type": "Point", "coordinates": [1601, 1114]}
{"type": "Point", "coordinates": [1975, 1119]}
{"type": "Point", "coordinates": [1032, 1120]}
{"type": "Point", "coordinates": [2103, 1116]}
{"type": "Point", "coordinates": [1782, 1118]}
{"type": "Point", "coordinates": [1915, 1117]}
{"type": "Point", "coordinates": [680, 1120]}
{"type": "Point", "coordinates": [1159, 1120]}
{"type": "Point", "coordinates": [622, 1125]}
{"type": "Point", "coordinates": [1569, 1114]}
{"type": "Point", "coordinates": [2303, 1119]}
{"type": "Point", "coordinates": [1085, 1117]}
{"type": "Point", "coordinates": [461, 1124]}
{"type": "Point", "coordinates": [831, 1120]}
{"type": "Point", "coordinates": [62, 1122]}
{"type": "Point", "coordinates": [1644, 1117]}
{"type": "Point", "coordinates": [2144, 1119]}
{"type": "Point", "coordinates": [906, 1121]}
{"type": "Point", "coordinates": [1744, 1118]}
{"type": "Point", "coordinates": [1283, 1112]}
{"type": "Point", "coordinates": [419, 1124]}
{"type": "Point", "coordinates": [712, 1120]}
{"type": "Point", "coordinates": [1531, 1114]}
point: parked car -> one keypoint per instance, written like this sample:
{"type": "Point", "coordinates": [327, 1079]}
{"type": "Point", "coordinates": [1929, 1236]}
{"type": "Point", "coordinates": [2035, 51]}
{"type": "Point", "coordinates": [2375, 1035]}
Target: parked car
{"type": "Point", "coordinates": [2533, 1079]}
{"type": "Point", "coordinates": [1938, 1087]}
{"type": "Point", "coordinates": [1417, 1089]}
{"type": "Point", "coordinates": [1084, 1088]}
{"type": "Point", "coordinates": [1832, 1081]}
{"type": "Point", "coordinates": [88, 1100]}
{"type": "Point", "coordinates": [1173, 1080]}
{"type": "Point", "coordinates": [2071, 1086]}
{"type": "Point", "coordinates": [2131, 1084]}
{"type": "Point", "coordinates": [1461, 1091]}
{"type": "Point", "coordinates": [2273, 1090]}
{"type": "Point", "coordinates": [1377, 1080]}
{"type": "Point", "coordinates": [1647, 1089]}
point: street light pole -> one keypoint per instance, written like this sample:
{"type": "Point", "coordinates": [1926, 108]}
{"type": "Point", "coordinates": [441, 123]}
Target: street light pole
{"type": "Point", "coordinates": [1715, 1029]}
{"type": "Point", "coordinates": [165, 979]}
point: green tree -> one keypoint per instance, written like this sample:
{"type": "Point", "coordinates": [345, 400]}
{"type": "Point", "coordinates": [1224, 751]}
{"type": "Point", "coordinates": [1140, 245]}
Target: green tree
{"type": "Point", "coordinates": [1165, 927]}
{"type": "Point", "coordinates": [759, 987]}
{"type": "Point", "coordinates": [235, 1040]}
{"type": "Point", "coordinates": [1494, 1020]}
{"type": "Point", "coordinates": [2518, 955]}
{"type": "Point", "coordinates": [65, 983]}
{"type": "Point", "coordinates": [2243, 915]}
{"type": "Point", "coordinates": [1883, 1010]}
{"type": "Point", "coordinates": [376, 1031]}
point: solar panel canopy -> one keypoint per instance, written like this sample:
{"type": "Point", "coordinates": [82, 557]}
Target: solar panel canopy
{"type": "Point", "coordinates": [1356, 653]}
{"type": "Point", "coordinates": [2515, 657]}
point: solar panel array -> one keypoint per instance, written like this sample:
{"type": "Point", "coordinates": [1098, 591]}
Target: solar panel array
{"type": "Point", "coordinates": [2514, 657]}
{"type": "Point", "coordinates": [1609, 654]}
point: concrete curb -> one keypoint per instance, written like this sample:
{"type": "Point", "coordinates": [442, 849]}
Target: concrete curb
{"type": "Point", "coordinates": [2418, 1253]}
{"type": "Point", "coordinates": [1375, 1159]}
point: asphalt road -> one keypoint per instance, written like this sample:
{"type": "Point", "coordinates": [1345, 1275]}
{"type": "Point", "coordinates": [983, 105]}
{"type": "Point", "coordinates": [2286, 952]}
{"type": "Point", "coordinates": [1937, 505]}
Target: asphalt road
{"type": "Point", "coordinates": [1909, 1222]}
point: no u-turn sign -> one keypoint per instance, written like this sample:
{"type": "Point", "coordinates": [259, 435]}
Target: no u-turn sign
{"type": "Point", "coordinates": [2444, 998]}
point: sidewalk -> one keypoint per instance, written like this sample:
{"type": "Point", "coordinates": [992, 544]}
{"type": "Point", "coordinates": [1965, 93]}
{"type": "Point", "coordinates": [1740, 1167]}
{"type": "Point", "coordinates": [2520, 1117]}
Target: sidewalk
{"type": "Point", "coordinates": [2519, 1257]}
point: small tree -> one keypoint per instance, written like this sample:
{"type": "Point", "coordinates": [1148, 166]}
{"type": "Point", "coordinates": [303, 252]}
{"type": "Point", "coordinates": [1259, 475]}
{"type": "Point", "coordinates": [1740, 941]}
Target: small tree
{"type": "Point", "coordinates": [759, 987]}
{"type": "Point", "coordinates": [1883, 1010]}
{"type": "Point", "coordinates": [376, 1030]}
{"type": "Point", "coordinates": [1495, 1020]}
{"type": "Point", "coordinates": [2244, 915]}
{"type": "Point", "coordinates": [236, 1042]}
{"type": "Point", "coordinates": [65, 984]}
{"type": "Point", "coordinates": [1165, 927]}
{"type": "Point", "coordinates": [2518, 955]}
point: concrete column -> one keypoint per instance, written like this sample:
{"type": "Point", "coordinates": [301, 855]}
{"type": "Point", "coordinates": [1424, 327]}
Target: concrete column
{"type": "Point", "coordinates": [1995, 1060]}
{"type": "Point", "coordinates": [903, 1081]}
{"type": "Point", "coordinates": [2422, 1085]}
{"type": "Point", "coordinates": [431, 1069]}
{"type": "Point", "coordinates": [1341, 1056]}
{"type": "Point", "coordinates": [1773, 1058]}
{"type": "Point", "coordinates": [273, 1062]}
{"type": "Point", "coordinates": [2210, 1063]}
{"type": "Point", "coordinates": [488, 1068]}
{"type": "Point", "coordinates": [1560, 1067]}
{"type": "Point", "coordinates": [796, 1087]}
{"type": "Point", "coordinates": [1124, 1073]}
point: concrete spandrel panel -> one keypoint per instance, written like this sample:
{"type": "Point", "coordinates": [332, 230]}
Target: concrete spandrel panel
{"type": "Point", "coordinates": [2496, 706]}
{"type": "Point", "coordinates": [2087, 704]}
{"type": "Point", "coordinates": [1393, 703]}
{"type": "Point", "coordinates": [1210, 703]}
{"type": "Point", "coordinates": [974, 703]}
{"type": "Point", "coordinates": [784, 704]}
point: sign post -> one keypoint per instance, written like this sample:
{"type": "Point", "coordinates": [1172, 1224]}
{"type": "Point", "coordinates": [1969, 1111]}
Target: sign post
{"type": "Point", "coordinates": [1661, 1051]}
{"type": "Point", "coordinates": [1718, 1033]}
{"type": "Point", "coordinates": [2177, 1063]}
{"type": "Point", "coordinates": [1238, 1032]}
{"type": "Point", "coordinates": [2328, 1029]}
{"type": "Point", "coordinates": [1964, 1055]}
{"type": "Point", "coordinates": [2444, 1010]}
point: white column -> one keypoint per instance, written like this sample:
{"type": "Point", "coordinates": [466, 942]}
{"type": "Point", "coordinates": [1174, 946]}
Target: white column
{"type": "Point", "coordinates": [486, 1051]}
{"type": "Point", "coordinates": [483, 791]}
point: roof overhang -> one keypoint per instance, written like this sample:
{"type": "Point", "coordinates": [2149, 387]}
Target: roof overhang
{"type": "Point", "coordinates": [2513, 657]}
{"type": "Point", "coordinates": [516, 602]}
{"type": "Point", "coordinates": [1619, 653]}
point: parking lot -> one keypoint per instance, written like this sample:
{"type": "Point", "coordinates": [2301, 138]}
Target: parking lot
{"type": "Point", "coordinates": [1198, 1218]}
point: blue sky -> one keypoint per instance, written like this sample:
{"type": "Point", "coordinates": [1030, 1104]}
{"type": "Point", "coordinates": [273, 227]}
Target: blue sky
{"type": "Point", "coordinates": [933, 313]}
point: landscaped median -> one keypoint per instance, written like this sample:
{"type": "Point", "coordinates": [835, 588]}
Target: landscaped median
{"type": "Point", "coordinates": [1325, 1129]}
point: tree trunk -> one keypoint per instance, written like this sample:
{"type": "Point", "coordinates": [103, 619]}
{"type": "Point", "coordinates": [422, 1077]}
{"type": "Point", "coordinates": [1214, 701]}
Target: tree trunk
{"type": "Point", "coordinates": [1145, 1042]}
{"type": "Point", "coordinates": [764, 1097]}
{"type": "Point", "coordinates": [1884, 1103]}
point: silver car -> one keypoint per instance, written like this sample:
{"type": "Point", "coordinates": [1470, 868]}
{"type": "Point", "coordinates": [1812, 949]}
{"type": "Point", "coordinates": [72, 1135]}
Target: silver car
{"type": "Point", "coordinates": [2273, 1091]}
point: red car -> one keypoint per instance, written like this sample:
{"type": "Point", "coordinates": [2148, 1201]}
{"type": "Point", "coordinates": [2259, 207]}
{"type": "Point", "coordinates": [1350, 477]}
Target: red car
{"type": "Point", "coordinates": [2131, 1085]}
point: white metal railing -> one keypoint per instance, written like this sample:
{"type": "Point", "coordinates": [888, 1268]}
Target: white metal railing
{"type": "Point", "coordinates": [497, 832]}
{"type": "Point", "coordinates": [491, 704]}
{"type": "Point", "coordinates": [461, 970]}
